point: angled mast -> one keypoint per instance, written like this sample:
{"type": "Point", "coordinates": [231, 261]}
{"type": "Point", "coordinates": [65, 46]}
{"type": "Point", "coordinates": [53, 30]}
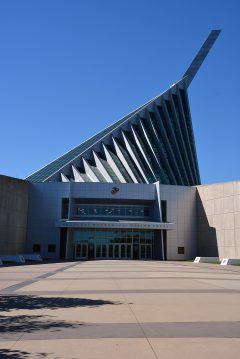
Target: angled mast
{"type": "Point", "coordinates": [200, 57]}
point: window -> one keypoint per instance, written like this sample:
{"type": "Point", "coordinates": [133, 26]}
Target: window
{"type": "Point", "coordinates": [65, 204]}
{"type": "Point", "coordinates": [180, 250]}
{"type": "Point", "coordinates": [51, 248]}
{"type": "Point", "coordinates": [84, 210]}
{"type": "Point", "coordinates": [164, 210]}
{"type": "Point", "coordinates": [36, 248]}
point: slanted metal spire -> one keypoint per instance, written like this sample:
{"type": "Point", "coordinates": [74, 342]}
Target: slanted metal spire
{"type": "Point", "coordinates": [200, 57]}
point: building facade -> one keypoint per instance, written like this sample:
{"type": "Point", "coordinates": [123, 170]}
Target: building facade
{"type": "Point", "coordinates": [130, 221]}
{"type": "Point", "coordinates": [133, 190]}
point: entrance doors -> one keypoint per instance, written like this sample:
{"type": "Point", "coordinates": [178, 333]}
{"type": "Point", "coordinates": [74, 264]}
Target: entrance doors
{"type": "Point", "coordinates": [145, 251]}
{"type": "Point", "coordinates": [113, 244]}
{"type": "Point", "coordinates": [101, 251]}
{"type": "Point", "coordinates": [81, 251]}
{"type": "Point", "coordinates": [91, 251]}
{"type": "Point", "coordinates": [122, 251]}
{"type": "Point", "coordinates": [135, 251]}
{"type": "Point", "coordinates": [113, 251]}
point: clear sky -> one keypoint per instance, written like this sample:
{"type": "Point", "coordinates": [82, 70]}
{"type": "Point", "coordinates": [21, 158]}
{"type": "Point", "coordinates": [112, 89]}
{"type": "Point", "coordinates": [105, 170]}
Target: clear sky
{"type": "Point", "coordinates": [69, 68]}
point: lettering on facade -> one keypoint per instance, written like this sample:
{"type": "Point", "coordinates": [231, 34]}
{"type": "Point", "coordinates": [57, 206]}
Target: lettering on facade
{"type": "Point", "coordinates": [115, 225]}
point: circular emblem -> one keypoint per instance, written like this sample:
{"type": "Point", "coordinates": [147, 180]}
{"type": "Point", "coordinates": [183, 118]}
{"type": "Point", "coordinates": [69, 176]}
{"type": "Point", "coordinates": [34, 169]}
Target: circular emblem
{"type": "Point", "coordinates": [114, 190]}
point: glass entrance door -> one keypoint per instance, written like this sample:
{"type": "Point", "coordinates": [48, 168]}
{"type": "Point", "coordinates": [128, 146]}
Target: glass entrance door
{"type": "Point", "coordinates": [145, 251]}
{"type": "Point", "coordinates": [142, 251]}
{"type": "Point", "coordinates": [91, 251]}
{"type": "Point", "coordinates": [116, 251]}
{"type": "Point", "coordinates": [81, 251]}
{"type": "Point", "coordinates": [129, 251]}
{"type": "Point", "coordinates": [101, 251]}
{"type": "Point", "coordinates": [120, 251]}
{"type": "Point", "coordinates": [135, 251]}
{"type": "Point", "coordinates": [110, 250]}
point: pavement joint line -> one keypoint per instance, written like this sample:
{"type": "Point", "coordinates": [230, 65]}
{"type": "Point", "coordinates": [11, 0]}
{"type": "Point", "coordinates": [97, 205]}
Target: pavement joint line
{"type": "Point", "coordinates": [130, 291]}
{"type": "Point", "coordinates": [139, 324]}
{"type": "Point", "coordinates": [158, 271]}
{"type": "Point", "coordinates": [143, 278]}
{"type": "Point", "coordinates": [13, 288]}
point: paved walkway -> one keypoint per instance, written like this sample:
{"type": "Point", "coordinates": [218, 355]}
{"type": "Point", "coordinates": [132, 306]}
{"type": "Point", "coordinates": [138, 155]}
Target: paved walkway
{"type": "Point", "coordinates": [120, 310]}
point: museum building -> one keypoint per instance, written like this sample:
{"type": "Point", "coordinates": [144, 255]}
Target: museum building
{"type": "Point", "coordinates": [132, 191]}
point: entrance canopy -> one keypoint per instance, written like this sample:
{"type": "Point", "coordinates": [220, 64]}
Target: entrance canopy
{"type": "Point", "coordinates": [115, 224]}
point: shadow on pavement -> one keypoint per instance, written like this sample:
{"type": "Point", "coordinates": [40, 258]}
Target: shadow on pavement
{"type": "Point", "coordinates": [30, 323]}
{"type": "Point", "coordinates": [18, 354]}
{"type": "Point", "coordinates": [31, 302]}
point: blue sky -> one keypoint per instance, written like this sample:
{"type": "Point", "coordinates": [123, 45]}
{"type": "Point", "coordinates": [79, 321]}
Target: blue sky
{"type": "Point", "coordinates": [70, 68]}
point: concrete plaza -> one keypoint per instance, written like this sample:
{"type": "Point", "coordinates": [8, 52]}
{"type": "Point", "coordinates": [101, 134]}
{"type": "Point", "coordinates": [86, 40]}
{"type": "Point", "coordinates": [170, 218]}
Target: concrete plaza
{"type": "Point", "coordinates": [120, 310]}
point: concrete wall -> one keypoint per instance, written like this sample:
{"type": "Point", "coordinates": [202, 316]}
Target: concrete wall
{"type": "Point", "coordinates": [181, 210]}
{"type": "Point", "coordinates": [218, 207]}
{"type": "Point", "coordinates": [45, 201]}
{"type": "Point", "coordinates": [13, 215]}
